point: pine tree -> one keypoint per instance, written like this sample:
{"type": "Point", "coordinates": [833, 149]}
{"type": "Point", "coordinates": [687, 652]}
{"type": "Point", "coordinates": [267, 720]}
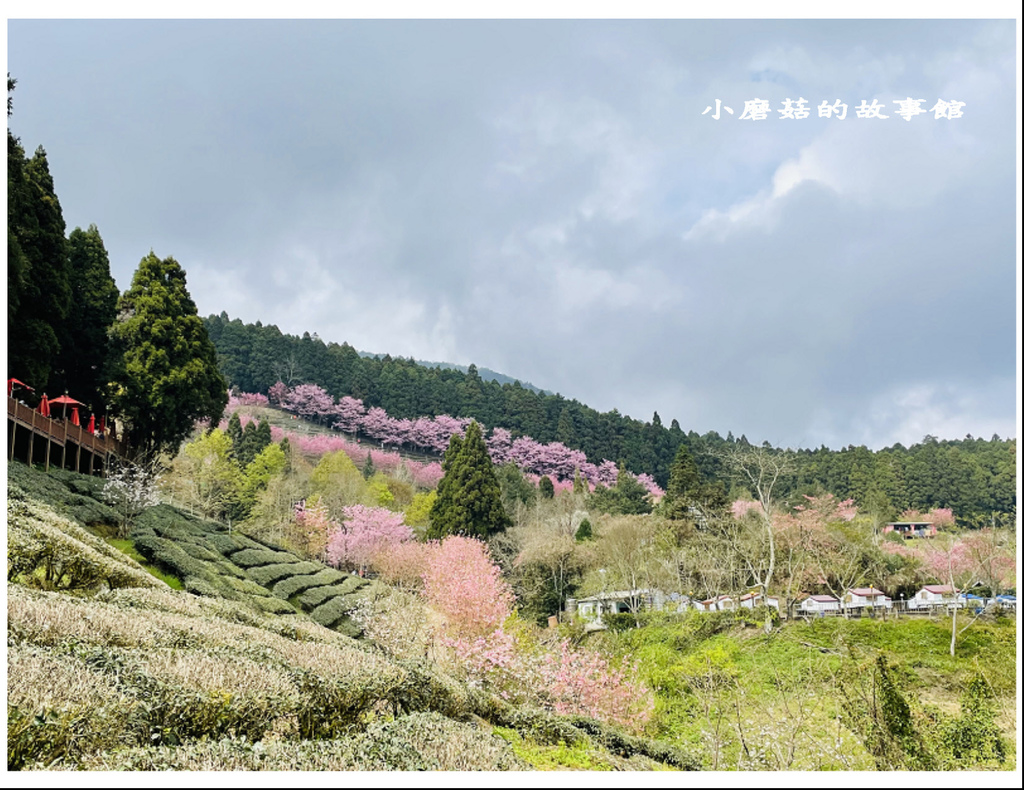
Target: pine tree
{"type": "Point", "coordinates": [683, 484]}
{"type": "Point", "coordinates": [468, 496]}
{"type": "Point", "coordinates": [264, 435]}
{"type": "Point", "coordinates": [164, 374]}
{"type": "Point", "coordinates": [546, 488]}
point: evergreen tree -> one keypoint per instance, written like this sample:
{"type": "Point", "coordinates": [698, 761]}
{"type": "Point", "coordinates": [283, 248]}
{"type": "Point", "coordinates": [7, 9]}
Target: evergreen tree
{"type": "Point", "coordinates": [627, 497]}
{"type": "Point", "coordinates": [468, 496]}
{"type": "Point", "coordinates": [164, 373]}
{"type": "Point", "coordinates": [546, 488]}
{"type": "Point", "coordinates": [286, 448]}
{"type": "Point", "coordinates": [585, 531]}
{"type": "Point", "coordinates": [235, 434]}
{"type": "Point", "coordinates": [249, 446]}
{"type": "Point", "coordinates": [39, 281]}
{"type": "Point", "coordinates": [263, 436]}
{"type": "Point", "coordinates": [687, 491]}
{"type": "Point", "coordinates": [83, 345]}
{"type": "Point", "coordinates": [515, 488]}
{"type": "Point", "coordinates": [368, 469]}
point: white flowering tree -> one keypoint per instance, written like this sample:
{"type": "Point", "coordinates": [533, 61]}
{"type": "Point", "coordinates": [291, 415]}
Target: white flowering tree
{"type": "Point", "coordinates": [129, 489]}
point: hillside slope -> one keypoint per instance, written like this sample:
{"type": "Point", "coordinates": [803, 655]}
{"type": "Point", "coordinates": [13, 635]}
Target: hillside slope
{"type": "Point", "coordinates": [110, 668]}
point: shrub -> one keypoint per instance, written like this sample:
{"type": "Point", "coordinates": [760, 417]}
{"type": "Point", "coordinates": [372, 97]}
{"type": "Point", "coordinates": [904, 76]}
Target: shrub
{"type": "Point", "coordinates": [169, 522]}
{"type": "Point", "coordinates": [430, 742]}
{"type": "Point", "coordinates": [246, 586]}
{"type": "Point", "coordinates": [249, 558]}
{"type": "Point", "coordinates": [47, 549]}
{"type": "Point", "coordinates": [267, 575]}
{"type": "Point", "coordinates": [297, 584]}
{"type": "Point", "coordinates": [318, 595]}
{"type": "Point", "coordinates": [225, 544]}
{"type": "Point", "coordinates": [227, 569]}
{"type": "Point", "coordinates": [417, 742]}
{"type": "Point", "coordinates": [273, 605]}
{"type": "Point", "coordinates": [200, 552]}
{"type": "Point", "coordinates": [330, 613]}
{"type": "Point", "coordinates": [169, 556]}
{"type": "Point", "coordinates": [619, 622]}
{"type": "Point", "coordinates": [58, 709]}
{"type": "Point", "coordinates": [972, 739]}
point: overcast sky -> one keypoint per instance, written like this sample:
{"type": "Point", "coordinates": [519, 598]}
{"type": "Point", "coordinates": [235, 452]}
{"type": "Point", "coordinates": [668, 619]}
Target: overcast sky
{"type": "Point", "coordinates": [550, 200]}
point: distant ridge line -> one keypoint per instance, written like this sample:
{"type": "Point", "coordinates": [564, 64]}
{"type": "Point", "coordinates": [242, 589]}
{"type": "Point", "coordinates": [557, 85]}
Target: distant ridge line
{"type": "Point", "coordinates": [485, 373]}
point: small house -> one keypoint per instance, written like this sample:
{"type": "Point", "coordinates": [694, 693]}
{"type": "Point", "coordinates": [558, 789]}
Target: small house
{"type": "Point", "coordinates": [818, 605]}
{"type": "Point", "coordinates": [933, 595]}
{"type": "Point", "coordinates": [591, 609]}
{"type": "Point", "coordinates": [752, 599]}
{"type": "Point", "coordinates": [911, 529]}
{"type": "Point", "coordinates": [866, 597]}
{"type": "Point", "coordinates": [720, 603]}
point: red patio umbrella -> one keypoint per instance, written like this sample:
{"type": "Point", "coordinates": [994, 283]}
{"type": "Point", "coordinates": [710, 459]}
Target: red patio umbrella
{"type": "Point", "coordinates": [20, 383]}
{"type": "Point", "coordinates": [92, 424]}
{"type": "Point", "coordinates": [74, 416]}
{"type": "Point", "coordinates": [103, 424]}
{"type": "Point", "coordinates": [44, 406]}
{"type": "Point", "coordinates": [65, 401]}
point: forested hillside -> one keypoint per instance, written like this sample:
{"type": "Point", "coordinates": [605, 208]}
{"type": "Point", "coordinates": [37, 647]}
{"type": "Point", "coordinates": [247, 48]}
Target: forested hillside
{"type": "Point", "coordinates": [973, 477]}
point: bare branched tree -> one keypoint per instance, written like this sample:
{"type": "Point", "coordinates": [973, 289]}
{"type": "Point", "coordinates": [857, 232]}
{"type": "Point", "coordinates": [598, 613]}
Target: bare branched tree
{"type": "Point", "coordinates": [763, 469]}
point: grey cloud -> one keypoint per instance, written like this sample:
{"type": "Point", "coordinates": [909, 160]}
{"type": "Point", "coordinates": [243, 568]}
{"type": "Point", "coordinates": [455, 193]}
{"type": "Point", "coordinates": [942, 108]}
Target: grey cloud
{"type": "Point", "coordinates": [545, 199]}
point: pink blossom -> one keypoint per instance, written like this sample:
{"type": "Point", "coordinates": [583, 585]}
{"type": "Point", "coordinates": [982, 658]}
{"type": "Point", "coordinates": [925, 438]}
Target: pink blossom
{"type": "Point", "coordinates": [278, 392]}
{"type": "Point", "coordinates": [741, 507]}
{"type": "Point", "coordinates": [309, 401]}
{"type": "Point", "coordinates": [348, 414]}
{"type": "Point", "coordinates": [462, 583]}
{"type": "Point", "coordinates": [363, 534]}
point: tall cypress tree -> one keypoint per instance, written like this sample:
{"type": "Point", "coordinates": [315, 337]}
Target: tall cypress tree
{"type": "Point", "coordinates": [39, 281]}
{"type": "Point", "coordinates": [468, 496]}
{"type": "Point", "coordinates": [164, 374]}
{"type": "Point", "coordinates": [235, 433]}
{"type": "Point", "coordinates": [687, 489]}
{"type": "Point", "coordinates": [80, 364]}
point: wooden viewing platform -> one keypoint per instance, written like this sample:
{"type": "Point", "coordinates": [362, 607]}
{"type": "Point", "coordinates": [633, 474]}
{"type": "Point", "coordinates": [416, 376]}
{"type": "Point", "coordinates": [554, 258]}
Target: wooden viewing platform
{"type": "Point", "coordinates": [33, 437]}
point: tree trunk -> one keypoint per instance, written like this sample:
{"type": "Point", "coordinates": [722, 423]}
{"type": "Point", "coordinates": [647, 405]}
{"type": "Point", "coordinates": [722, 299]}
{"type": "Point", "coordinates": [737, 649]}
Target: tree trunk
{"type": "Point", "coordinates": [952, 640]}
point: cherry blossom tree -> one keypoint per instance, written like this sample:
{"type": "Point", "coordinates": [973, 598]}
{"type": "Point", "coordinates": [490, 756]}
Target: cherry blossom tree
{"type": "Point", "coordinates": [464, 585]}
{"type": "Point", "coordinates": [363, 534]}
{"type": "Point", "coordinates": [960, 562]}
{"type": "Point", "coordinates": [313, 526]}
{"type": "Point", "coordinates": [310, 401]}
{"type": "Point", "coordinates": [348, 414]}
{"type": "Point", "coordinates": [762, 468]}
{"type": "Point", "coordinates": [278, 392]}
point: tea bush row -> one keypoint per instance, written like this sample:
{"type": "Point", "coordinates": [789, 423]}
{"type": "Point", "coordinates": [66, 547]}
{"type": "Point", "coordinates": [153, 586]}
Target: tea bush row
{"type": "Point", "coordinates": [298, 584]}
{"type": "Point", "coordinates": [268, 575]}
{"type": "Point", "coordinates": [248, 558]}
{"type": "Point", "coordinates": [418, 742]}
{"type": "Point", "coordinates": [47, 549]}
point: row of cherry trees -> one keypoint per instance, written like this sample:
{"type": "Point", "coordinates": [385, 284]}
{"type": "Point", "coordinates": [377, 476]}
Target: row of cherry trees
{"type": "Point", "coordinates": [433, 434]}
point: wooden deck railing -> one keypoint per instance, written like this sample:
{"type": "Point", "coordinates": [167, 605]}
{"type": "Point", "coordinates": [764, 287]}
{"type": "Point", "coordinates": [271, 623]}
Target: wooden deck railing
{"type": "Point", "coordinates": [61, 433]}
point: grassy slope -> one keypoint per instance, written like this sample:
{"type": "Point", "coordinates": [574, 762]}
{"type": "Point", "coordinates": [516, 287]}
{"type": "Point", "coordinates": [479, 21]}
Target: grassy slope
{"type": "Point", "coordinates": [123, 672]}
{"type": "Point", "coordinates": [786, 689]}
